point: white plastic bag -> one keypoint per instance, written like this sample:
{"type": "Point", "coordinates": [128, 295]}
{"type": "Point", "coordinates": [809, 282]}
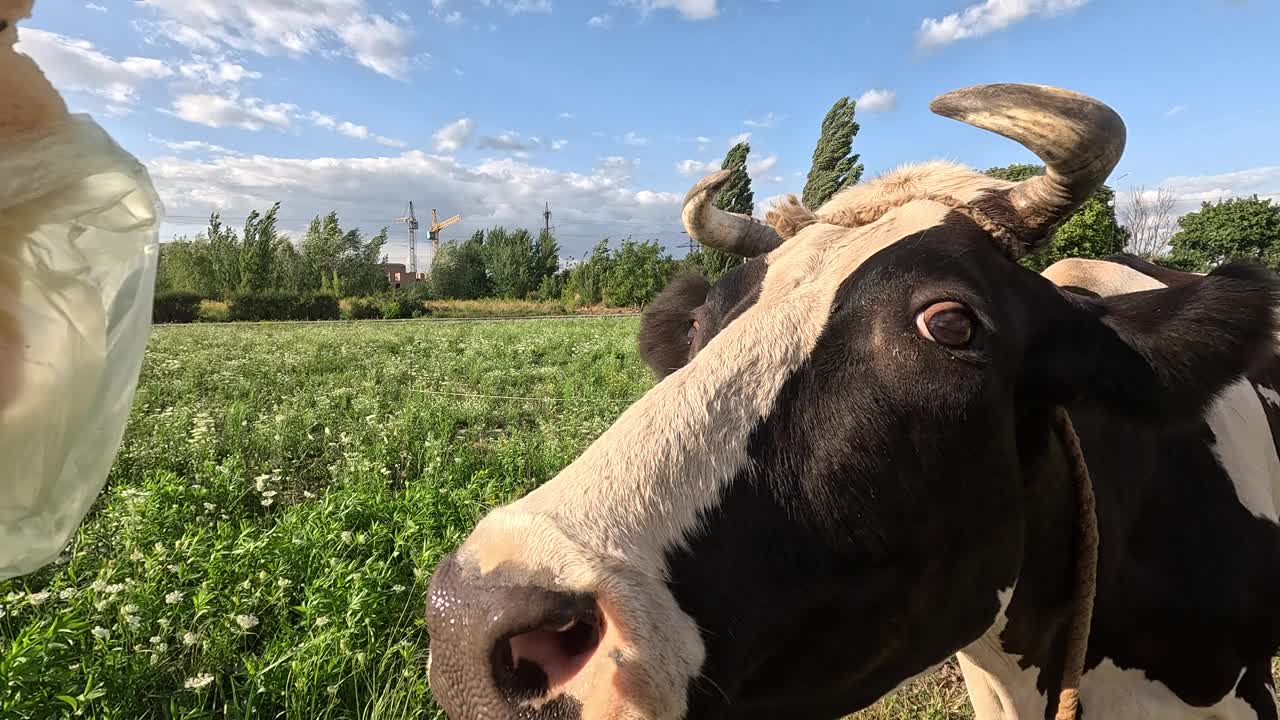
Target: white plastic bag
{"type": "Point", "coordinates": [79, 226]}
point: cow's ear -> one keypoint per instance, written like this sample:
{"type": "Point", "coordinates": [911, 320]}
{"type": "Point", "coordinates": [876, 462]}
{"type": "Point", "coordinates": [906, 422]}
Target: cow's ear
{"type": "Point", "coordinates": [667, 324]}
{"type": "Point", "coordinates": [1162, 355]}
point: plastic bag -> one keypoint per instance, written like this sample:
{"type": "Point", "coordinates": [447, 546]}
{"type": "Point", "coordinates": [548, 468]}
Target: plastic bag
{"type": "Point", "coordinates": [79, 227]}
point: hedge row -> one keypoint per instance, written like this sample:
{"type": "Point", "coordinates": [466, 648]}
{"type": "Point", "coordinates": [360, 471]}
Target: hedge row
{"type": "Point", "coordinates": [186, 307]}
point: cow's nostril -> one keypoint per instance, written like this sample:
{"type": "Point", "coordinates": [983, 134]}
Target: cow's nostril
{"type": "Point", "coordinates": [529, 664]}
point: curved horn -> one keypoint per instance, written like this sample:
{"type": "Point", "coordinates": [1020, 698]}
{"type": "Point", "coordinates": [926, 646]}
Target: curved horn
{"type": "Point", "coordinates": [731, 232]}
{"type": "Point", "coordinates": [1079, 139]}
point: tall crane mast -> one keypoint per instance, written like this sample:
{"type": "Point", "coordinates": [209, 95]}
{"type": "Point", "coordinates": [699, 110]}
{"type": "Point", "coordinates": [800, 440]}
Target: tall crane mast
{"type": "Point", "coordinates": [412, 221]}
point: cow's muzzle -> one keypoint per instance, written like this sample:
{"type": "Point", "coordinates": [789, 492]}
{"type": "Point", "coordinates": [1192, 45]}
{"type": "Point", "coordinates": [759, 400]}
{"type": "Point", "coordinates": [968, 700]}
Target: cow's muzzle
{"type": "Point", "coordinates": [501, 648]}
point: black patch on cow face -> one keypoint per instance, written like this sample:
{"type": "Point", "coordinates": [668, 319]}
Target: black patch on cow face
{"type": "Point", "coordinates": [689, 312]}
{"type": "Point", "coordinates": [880, 512]}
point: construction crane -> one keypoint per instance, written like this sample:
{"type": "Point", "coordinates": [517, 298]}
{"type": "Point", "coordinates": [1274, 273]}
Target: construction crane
{"type": "Point", "coordinates": [412, 221]}
{"type": "Point", "coordinates": [436, 227]}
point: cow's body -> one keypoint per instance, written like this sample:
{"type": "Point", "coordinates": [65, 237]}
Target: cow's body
{"type": "Point", "coordinates": [1187, 615]}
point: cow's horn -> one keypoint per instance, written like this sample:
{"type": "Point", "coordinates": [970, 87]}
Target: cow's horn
{"type": "Point", "coordinates": [1079, 139]}
{"type": "Point", "coordinates": [731, 232]}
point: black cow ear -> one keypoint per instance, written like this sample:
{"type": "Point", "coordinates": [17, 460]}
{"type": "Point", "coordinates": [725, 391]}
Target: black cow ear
{"type": "Point", "coordinates": [665, 338]}
{"type": "Point", "coordinates": [1159, 356]}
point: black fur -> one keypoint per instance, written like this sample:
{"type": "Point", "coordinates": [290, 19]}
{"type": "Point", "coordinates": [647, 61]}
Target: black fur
{"type": "Point", "coordinates": [898, 485]}
{"type": "Point", "coordinates": [665, 324]}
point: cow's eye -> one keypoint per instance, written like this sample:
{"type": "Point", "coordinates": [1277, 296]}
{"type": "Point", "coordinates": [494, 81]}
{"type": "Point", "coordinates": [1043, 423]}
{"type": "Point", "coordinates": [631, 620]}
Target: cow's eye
{"type": "Point", "coordinates": [946, 323]}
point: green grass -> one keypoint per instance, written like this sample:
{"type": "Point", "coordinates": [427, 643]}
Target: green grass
{"type": "Point", "coordinates": [281, 497]}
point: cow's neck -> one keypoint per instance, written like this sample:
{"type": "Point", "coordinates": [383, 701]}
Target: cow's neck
{"type": "Point", "coordinates": [1016, 666]}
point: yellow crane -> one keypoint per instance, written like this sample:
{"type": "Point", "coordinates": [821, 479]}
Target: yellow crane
{"type": "Point", "coordinates": [436, 227]}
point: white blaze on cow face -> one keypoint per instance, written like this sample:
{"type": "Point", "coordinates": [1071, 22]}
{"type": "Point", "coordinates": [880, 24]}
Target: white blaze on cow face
{"type": "Point", "coordinates": [605, 523]}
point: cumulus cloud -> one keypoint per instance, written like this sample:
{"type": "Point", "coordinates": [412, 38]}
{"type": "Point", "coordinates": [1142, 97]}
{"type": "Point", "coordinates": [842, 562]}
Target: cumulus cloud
{"type": "Point", "coordinates": [1191, 190]}
{"type": "Point", "coordinates": [453, 136]}
{"type": "Point", "coordinates": [632, 138]}
{"type": "Point", "coordinates": [198, 146]}
{"type": "Point", "coordinates": [987, 17]}
{"type": "Point", "coordinates": [508, 141]}
{"type": "Point", "coordinates": [768, 121]}
{"type": "Point", "coordinates": [517, 7]}
{"type": "Point", "coordinates": [95, 7]}
{"type": "Point", "coordinates": [877, 100]}
{"type": "Point", "coordinates": [1174, 110]}
{"type": "Point", "coordinates": [600, 21]}
{"type": "Point", "coordinates": [739, 138]}
{"type": "Point", "coordinates": [221, 111]}
{"type": "Point", "coordinates": [352, 130]}
{"type": "Point", "coordinates": [558, 144]}
{"type": "Point", "coordinates": [696, 167]}
{"type": "Point", "coordinates": [217, 73]}
{"type": "Point", "coordinates": [596, 203]}
{"type": "Point", "coordinates": [76, 65]}
{"type": "Point", "coordinates": [689, 9]}
{"type": "Point", "coordinates": [763, 165]}
{"type": "Point", "coordinates": [270, 27]}
{"type": "Point", "coordinates": [702, 142]}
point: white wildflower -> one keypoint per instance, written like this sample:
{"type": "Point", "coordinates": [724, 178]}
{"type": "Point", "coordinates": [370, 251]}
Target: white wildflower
{"type": "Point", "coordinates": [133, 620]}
{"type": "Point", "coordinates": [260, 482]}
{"type": "Point", "coordinates": [172, 568]}
{"type": "Point", "coordinates": [129, 609]}
{"type": "Point", "coordinates": [165, 622]}
{"type": "Point", "coordinates": [397, 588]}
{"type": "Point", "coordinates": [210, 507]}
{"type": "Point", "coordinates": [99, 585]}
{"type": "Point", "coordinates": [347, 536]}
{"type": "Point", "coordinates": [101, 633]}
{"type": "Point", "coordinates": [137, 556]}
{"type": "Point", "coordinates": [262, 575]}
{"type": "Point", "coordinates": [156, 640]}
{"type": "Point", "coordinates": [308, 494]}
{"type": "Point", "coordinates": [269, 493]}
{"type": "Point", "coordinates": [322, 621]}
{"type": "Point", "coordinates": [68, 593]}
{"type": "Point", "coordinates": [199, 681]}
{"type": "Point", "coordinates": [38, 598]}
{"type": "Point", "coordinates": [284, 582]}
{"type": "Point", "coordinates": [113, 589]}
{"type": "Point", "coordinates": [246, 621]}
{"type": "Point", "coordinates": [74, 667]}
{"type": "Point", "coordinates": [190, 638]}
{"type": "Point", "coordinates": [332, 690]}
{"type": "Point", "coordinates": [268, 502]}
{"type": "Point", "coordinates": [173, 598]}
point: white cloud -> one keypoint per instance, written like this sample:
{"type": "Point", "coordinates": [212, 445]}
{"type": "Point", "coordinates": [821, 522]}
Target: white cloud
{"type": "Point", "coordinates": [696, 167]}
{"type": "Point", "coordinates": [702, 143]}
{"type": "Point", "coordinates": [217, 73]}
{"type": "Point", "coordinates": [1191, 190]}
{"type": "Point", "coordinates": [566, 116]}
{"type": "Point", "coordinates": [987, 17]}
{"type": "Point", "coordinates": [600, 21]}
{"type": "Point", "coordinates": [690, 9]}
{"type": "Point", "coordinates": [509, 141]}
{"type": "Point", "coordinates": [763, 165]}
{"type": "Point", "coordinates": [220, 111]}
{"type": "Point", "coordinates": [1174, 110]}
{"type": "Point", "coordinates": [558, 144]}
{"type": "Point", "coordinates": [739, 138]}
{"type": "Point", "coordinates": [877, 100]}
{"type": "Point", "coordinates": [453, 136]}
{"type": "Point", "coordinates": [95, 7]}
{"type": "Point", "coordinates": [351, 130]}
{"type": "Point", "coordinates": [632, 138]}
{"type": "Point", "coordinates": [768, 121]}
{"type": "Point", "coordinates": [293, 27]}
{"type": "Point", "coordinates": [517, 7]}
{"type": "Point", "coordinates": [193, 146]}
{"type": "Point", "coordinates": [76, 65]}
{"type": "Point", "coordinates": [364, 189]}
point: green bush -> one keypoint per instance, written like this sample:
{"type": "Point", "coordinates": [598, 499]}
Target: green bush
{"type": "Point", "coordinates": [399, 307]}
{"type": "Point", "coordinates": [213, 311]}
{"type": "Point", "coordinates": [361, 308]}
{"type": "Point", "coordinates": [176, 307]}
{"type": "Point", "coordinates": [283, 306]}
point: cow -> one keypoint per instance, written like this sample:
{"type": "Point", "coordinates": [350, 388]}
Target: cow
{"type": "Point", "coordinates": [849, 470]}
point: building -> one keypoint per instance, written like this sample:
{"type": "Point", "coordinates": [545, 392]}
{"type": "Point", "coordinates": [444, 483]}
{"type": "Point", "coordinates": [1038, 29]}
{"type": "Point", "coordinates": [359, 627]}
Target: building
{"type": "Point", "coordinates": [400, 277]}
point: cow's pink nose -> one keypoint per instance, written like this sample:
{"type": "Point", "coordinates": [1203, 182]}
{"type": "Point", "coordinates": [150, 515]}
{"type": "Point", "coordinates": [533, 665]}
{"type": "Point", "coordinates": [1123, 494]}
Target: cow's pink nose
{"type": "Point", "coordinates": [498, 644]}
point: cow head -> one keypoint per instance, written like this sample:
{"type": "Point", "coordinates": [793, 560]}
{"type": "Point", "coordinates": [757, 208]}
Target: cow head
{"type": "Point", "coordinates": [827, 491]}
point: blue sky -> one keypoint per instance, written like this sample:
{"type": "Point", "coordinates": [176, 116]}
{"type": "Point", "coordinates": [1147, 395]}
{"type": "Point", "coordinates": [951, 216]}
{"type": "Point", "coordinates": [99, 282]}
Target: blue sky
{"type": "Point", "coordinates": [610, 110]}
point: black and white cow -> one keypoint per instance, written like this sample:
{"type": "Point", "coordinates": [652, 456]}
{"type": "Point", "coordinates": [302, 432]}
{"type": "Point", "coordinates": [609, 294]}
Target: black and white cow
{"type": "Point", "coordinates": [848, 471]}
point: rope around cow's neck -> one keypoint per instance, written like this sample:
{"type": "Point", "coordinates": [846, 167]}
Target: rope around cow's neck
{"type": "Point", "coordinates": [1086, 571]}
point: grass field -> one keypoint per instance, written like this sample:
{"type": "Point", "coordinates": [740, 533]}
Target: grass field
{"type": "Point", "coordinates": [281, 498]}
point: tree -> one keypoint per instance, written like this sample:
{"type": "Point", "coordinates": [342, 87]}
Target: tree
{"type": "Point", "coordinates": [835, 165]}
{"type": "Point", "coordinates": [1237, 228]}
{"type": "Point", "coordinates": [257, 252]}
{"type": "Point", "coordinates": [737, 197]}
{"type": "Point", "coordinates": [508, 259]}
{"type": "Point", "coordinates": [546, 258]}
{"type": "Point", "coordinates": [1149, 220]}
{"type": "Point", "coordinates": [1090, 232]}
{"type": "Point", "coordinates": [639, 272]}
{"type": "Point", "coordinates": [457, 270]}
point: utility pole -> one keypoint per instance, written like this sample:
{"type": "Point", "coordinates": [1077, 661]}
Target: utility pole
{"type": "Point", "coordinates": [546, 219]}
{"type": "Point", "coordinates": [412, 221]}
